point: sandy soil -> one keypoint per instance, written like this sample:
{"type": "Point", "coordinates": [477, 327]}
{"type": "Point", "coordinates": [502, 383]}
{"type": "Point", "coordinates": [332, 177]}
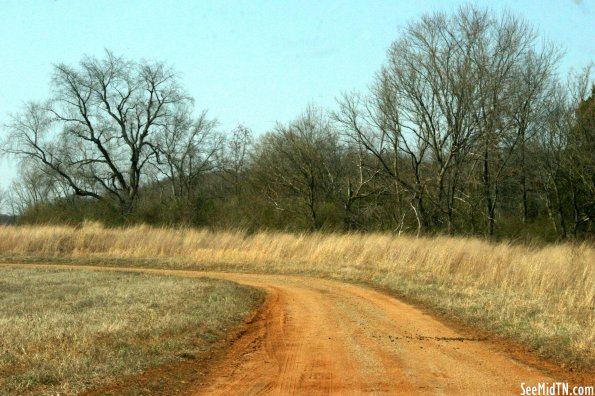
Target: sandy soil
{"type": "Point", "coordinates": [315, 336]}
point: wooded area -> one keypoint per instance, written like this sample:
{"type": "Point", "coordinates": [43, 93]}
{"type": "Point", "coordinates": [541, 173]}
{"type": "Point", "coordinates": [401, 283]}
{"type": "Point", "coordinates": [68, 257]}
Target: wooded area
{"type": "Point", "coordinates": [468, 129]}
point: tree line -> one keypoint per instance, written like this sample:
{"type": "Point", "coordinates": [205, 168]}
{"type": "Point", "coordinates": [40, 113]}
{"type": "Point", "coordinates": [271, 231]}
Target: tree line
{"type": "Point", "coordinates": [467, 129]}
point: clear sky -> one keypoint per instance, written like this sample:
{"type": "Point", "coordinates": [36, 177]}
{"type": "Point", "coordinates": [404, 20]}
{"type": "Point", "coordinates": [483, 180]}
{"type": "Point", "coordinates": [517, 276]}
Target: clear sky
{"type": "Point", "coordinates": [251, 62]}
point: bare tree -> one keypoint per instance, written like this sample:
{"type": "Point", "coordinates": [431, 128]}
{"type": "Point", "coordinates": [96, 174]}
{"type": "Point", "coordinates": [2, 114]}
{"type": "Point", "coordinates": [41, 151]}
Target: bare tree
{"type": "Point", "coordinates": [186, 150]}
{"type": "Point", "coordinates": [99, 129]}
{"type": "Point", "coordinates": [32, 188]}
{"type": "Point", "coordinates": [566, 163]}
{"type": "Point", "coordinates": [368, 130]}
{"type": "Point", "coordinates": [235, 156]}
{"type": "Point", "coordinates": [418, 113]}
{"type": "Point", "coordinates": [4, 202]}
{"type": "Point", "coordinates": [456, 92]}
{"type": "Point", "coordinates": [297, 165]}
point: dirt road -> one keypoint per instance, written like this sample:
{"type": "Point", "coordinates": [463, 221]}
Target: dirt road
{"type": "Point", "coordinates": [316, 336]}
{"type": "Point", "coordinates": [323, 337]}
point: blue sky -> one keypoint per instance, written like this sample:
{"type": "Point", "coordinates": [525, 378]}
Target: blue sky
{"type": "Point", "coordinates": [250, 62]}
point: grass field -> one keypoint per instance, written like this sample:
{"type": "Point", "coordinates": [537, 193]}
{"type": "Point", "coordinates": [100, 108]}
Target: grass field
{"type": "Point", "coordinates": [66, 331]}
{"type": "Point", "coordinates": [543, 297]}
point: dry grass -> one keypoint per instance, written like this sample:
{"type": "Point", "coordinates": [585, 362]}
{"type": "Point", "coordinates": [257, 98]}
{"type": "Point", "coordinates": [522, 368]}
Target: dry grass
{"type": "Point", "coordinates": [544, 297]}
{"type": "Point", "coordinates": [66, 331]}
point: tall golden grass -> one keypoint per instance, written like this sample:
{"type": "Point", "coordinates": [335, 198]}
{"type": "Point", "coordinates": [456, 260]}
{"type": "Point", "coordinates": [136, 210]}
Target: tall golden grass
{"type": "Point", "coordinates": [543, 297]}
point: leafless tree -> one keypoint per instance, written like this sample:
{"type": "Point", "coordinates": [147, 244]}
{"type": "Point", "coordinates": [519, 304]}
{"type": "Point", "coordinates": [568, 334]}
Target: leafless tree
{"type": "Point", "coordinates": [98, 131]}
{"type": "Point", "coordinates": [566, 163]}
{"type": "Point", "coordinates": [235, 156]}
{"type": "Point", "coordinates": [33, 187]}
{"type": "Point", "coordinates": [185, 150]}
{"type": "Point", "coordinates": [297, 163]}
{"type": "Point", "coordinates": [455, 90]}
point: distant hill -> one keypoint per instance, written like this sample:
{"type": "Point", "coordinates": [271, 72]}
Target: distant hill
{"type": "Point", "coordinates": [7, 219]}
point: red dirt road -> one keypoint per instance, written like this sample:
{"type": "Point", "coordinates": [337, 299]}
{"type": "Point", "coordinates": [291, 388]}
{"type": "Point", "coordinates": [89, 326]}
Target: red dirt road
{"type": "Point", "coordinates": [324, 337]}
{"type": "Point", "coordinates": [315, 336]}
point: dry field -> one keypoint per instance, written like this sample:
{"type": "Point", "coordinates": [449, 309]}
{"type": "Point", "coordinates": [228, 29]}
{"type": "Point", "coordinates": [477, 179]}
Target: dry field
{"type": "Point", "coordinates": [66, 331]}
{"type": "Point", "coordinates": [542, 297]}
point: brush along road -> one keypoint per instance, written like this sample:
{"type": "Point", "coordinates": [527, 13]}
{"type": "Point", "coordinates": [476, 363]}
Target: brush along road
{"type": "Point", "coordinates": [315, 336]}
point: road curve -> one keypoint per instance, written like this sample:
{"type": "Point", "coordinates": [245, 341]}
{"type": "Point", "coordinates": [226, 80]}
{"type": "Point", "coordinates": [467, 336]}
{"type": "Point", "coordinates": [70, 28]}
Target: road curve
{"type": "Point", "coordinates": [315, 336]}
